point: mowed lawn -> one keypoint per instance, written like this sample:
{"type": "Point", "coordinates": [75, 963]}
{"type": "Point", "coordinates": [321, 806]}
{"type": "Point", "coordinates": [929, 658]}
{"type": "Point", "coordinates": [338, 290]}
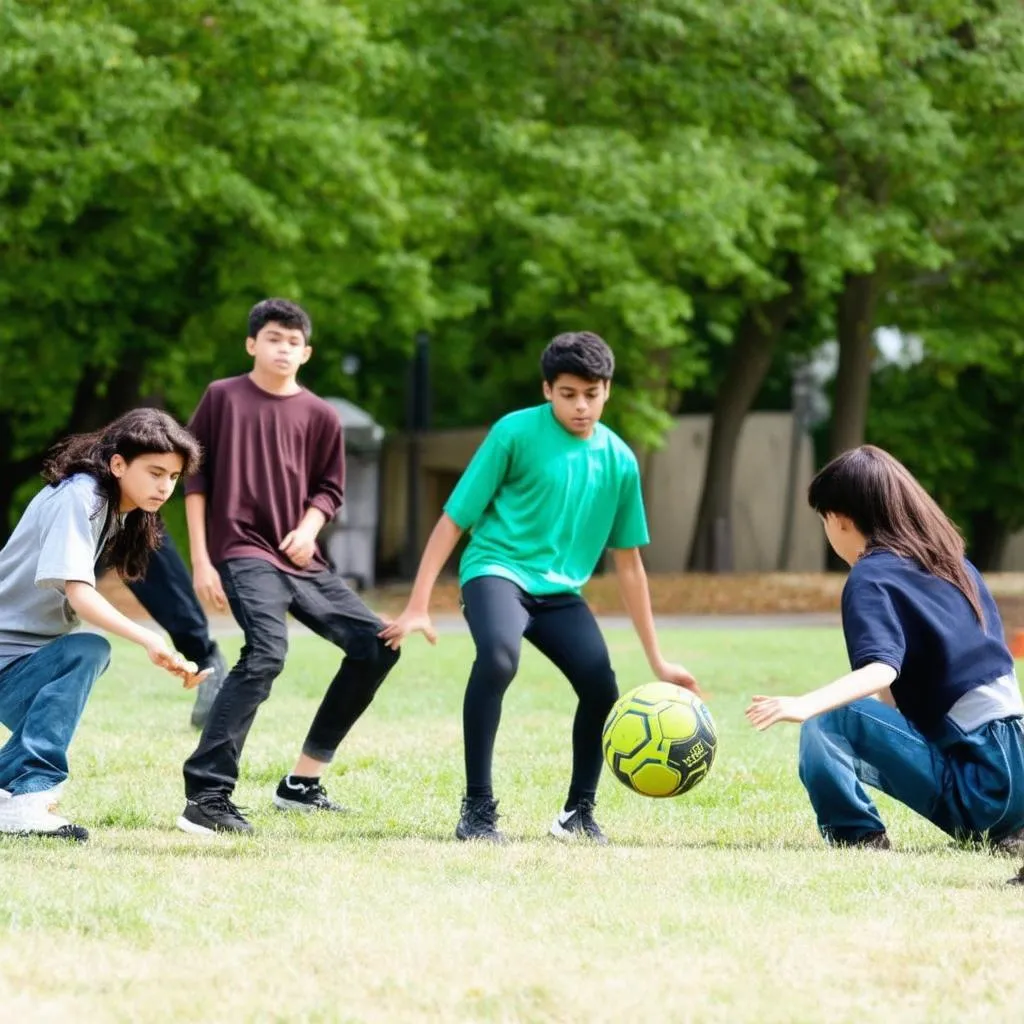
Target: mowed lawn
{"type": "Point", "coordinates": [722, 905]}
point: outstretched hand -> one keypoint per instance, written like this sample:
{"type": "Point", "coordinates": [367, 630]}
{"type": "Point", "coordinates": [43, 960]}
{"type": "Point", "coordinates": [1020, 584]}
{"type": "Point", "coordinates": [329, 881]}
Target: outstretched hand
{"type": "Point", "coordinates": [764, 712]}
{"type": "Point", "coordinates": [408, 622]}
{"type": "Point", "coordinates": [187, 671]}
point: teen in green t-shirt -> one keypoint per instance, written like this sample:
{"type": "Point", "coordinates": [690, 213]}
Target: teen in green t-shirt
{"type": "Point", "coordinates": [544, 495]}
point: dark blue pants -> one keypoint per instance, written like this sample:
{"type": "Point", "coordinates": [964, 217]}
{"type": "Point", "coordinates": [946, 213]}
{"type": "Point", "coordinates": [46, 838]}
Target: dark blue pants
{"type": "Point", "coordinates": [167, 594]}
{"type": "Point", "coordinates": [969, 784]}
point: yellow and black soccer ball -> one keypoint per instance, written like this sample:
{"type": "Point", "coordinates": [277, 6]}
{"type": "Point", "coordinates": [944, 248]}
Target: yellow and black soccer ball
{"type": "Point", "coordinates": [660, 740]}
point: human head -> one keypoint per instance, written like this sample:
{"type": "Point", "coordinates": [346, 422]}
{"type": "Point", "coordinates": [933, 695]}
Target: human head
{"type": "Point", "coordinates": [137, 460]}
{"type": "Point", "coordinates": [278, 339]}
{"type": "Point", "coordinates": [869, 500]}
{"type": "Point", "coordinates": [577, 368]}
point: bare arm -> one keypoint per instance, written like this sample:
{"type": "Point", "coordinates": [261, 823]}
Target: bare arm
{"type": "Point", "coordinates": [416, 616]}
{"type": "Point", "coordinates": [440, 546]}
{"type": "Point", "coordinates": [636, 595]}
{"type": "Point", "coordinates": [195, 517]}
{"type": "Point", "coordinates": [205, 577]}
{"type": "Point", "coordinates": [864, 682]}
{"type": "Point", "coordinates": [92, 607]}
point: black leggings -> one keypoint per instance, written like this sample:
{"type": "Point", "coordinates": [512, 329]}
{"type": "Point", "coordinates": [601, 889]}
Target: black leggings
{"type": "Point", "coordinates": [564, 630]}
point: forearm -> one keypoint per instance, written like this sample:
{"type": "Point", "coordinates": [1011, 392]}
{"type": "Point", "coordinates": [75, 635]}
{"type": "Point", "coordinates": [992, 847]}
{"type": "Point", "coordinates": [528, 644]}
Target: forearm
{"type": "Point", "coordinates": [195, 517]}
{"type": "Point", "coordinates": [440, 546]}
{"type": "Point", "coordinates": [636, 595]}
{"type": "Point", "coordinates": [864, 682]}
{"type": "Point", "coordinates": [312, 521]}
{"type": "Point", "coordinates": [92, 607]}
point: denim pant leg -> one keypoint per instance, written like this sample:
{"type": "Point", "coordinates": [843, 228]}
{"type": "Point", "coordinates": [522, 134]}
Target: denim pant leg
{"type": "Point", "coordinates": [869, 743]}
{"type": "Point", "coordinates": [167, 594]}
{"type": "Point", "coordinates": [331, 609]}
{"type": "Point", "coordinates": [42, 697]}
{"type": "Point", "coordinates": [987, 776]}
{"type": "Point", "coordinates": [259, 595]}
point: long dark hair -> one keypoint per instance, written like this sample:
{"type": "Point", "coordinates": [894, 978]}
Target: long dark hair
{"type": "Point", "coordinates": [139, 432]}
{"type": "Point", "coordinates": [895, 513]}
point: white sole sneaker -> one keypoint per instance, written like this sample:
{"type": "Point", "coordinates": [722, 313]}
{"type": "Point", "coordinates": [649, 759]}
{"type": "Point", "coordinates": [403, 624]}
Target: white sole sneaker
{"type": "Point", "coordinates": [192, 828]}
{"type": "Point", "coordinates": [562, 833]}
{"type": "Point", "coordinates": [30, 814]}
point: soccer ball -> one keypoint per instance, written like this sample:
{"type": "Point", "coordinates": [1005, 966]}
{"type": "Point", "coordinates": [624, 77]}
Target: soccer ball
{"type": "Point", "coordinates": [659, 740]}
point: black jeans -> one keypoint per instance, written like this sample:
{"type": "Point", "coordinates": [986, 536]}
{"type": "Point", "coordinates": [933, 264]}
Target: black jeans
{"type": "Point", "coordinates": [565, 631]}
{"type": "Point", "coordinates": [261, 596]}
{"type": "Point", "coordinates": [166, 592]}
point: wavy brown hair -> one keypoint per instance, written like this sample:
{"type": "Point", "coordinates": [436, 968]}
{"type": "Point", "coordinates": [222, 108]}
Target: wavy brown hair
{"type": "Point", "coordinates": [895, 513]}
{"type": "Point", "coordinates": [139, 432]}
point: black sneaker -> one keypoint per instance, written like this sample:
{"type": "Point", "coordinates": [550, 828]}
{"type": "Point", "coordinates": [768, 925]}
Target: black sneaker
{"type": "Point", "coordinates": [479, 819]}
{"type": "Point", "coordinates": [294, 794]}
{"type": "Point", "coordinates": [579, 823]}
{"type": "Point", "coordinates": [1018, 879]}
{"type": "Point", "coordinates": [212, 812]}
{"type": "Point", "coordinates": [868, 841]}
{"type": "Point", "coordinates": [1011, 845]}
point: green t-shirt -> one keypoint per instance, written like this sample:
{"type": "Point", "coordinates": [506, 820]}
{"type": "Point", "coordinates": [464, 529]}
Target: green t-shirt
{"type": "Point", "coordinates": [543, 504]}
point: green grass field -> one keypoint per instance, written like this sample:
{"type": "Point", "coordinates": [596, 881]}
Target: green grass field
{"type": "Point", "coordinates": [722, 905]}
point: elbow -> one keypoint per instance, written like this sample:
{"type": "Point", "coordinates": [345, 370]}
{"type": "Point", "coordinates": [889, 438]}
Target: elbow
{"type": "Point", "coordinates": [76, 593]}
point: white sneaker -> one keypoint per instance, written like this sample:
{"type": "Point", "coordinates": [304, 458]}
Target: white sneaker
{"type": "Point", "coordinates": [4, 795]}
{"type": "Point", "coordinates": [31, 814]}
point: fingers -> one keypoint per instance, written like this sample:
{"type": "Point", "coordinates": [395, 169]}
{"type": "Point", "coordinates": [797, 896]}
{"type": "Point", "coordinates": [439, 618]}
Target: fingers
{"type": "Point", "coordinates": [218, 597]}
{"type": "Point", "coordinates": [286, 544]}
{"type": "Point", "coordinates": [431, 634]}
{"type": "Point", "coordinates": [191, 680]}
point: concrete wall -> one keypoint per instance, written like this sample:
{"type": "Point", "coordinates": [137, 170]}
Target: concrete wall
{"type": "Point", "coordinates": [672, 480]}
{"type": "Point", "coordinates": [1013, 557]}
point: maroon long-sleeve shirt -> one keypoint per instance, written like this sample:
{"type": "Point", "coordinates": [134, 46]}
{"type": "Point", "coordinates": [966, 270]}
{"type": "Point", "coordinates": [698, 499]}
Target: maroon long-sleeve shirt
{"type": "Point", "coordinates": [266, 460]}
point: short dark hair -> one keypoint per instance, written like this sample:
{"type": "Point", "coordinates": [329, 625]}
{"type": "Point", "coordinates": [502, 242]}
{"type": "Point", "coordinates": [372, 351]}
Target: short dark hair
{"type": "Point", "coordinates": [280, 311]}
{"type": "Point", "coordinates": [582, 353]}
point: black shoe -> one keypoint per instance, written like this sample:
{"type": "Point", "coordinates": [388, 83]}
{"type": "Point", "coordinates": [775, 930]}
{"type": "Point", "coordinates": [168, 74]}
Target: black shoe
{"type": "Point", "coordinates": [479, 819]}
{"type": "Point", "coordinates": [868, 841]}
{"type": "Point", "coordinates": [1018, 879]}
{"type": "Point", "coordinates": [579, 823]}
{"type": "Point", "coordinates": [294, 794]}
{"type": "Point", "coordinates": [1011, 845]}
{"type": "Point", "coordinates": [206, 692]}
{"type": "Point", "coordinates": [212, 812]}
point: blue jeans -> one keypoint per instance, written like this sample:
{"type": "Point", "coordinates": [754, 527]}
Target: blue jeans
{"type": "Point", "coordinates": [970, 785]}
{"type": "Point", "coordinates": [42, 697]}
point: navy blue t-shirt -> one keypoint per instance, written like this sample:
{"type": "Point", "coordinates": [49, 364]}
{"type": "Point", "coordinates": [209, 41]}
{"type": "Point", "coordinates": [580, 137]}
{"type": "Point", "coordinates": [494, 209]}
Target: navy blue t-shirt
{"type": "Point", "coordinates": [925, 628]}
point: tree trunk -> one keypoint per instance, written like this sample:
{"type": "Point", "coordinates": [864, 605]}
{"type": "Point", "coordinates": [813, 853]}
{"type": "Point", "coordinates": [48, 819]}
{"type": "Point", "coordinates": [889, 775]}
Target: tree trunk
{"type": "Point", "coordinates": [855, 322]}
{"type": "Point", "coordinates": [989, 541]}
{"type": "Point", "coordinates": [751, 356]}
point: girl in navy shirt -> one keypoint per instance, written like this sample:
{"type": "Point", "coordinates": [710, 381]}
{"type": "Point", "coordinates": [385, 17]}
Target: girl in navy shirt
{"type": "Point", "coordinates": [945, 736]}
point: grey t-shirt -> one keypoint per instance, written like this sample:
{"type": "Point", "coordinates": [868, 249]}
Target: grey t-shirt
{"type": "Point", "coordinates": [57, 540]}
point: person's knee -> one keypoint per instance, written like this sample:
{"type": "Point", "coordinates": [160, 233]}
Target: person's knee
{"type": "Point", "coordinates": [90, 650]}
{"type": "Point", "coordinates": [260, 666]}
{"type": "Point", "coordinates": [596, 684]}
{"type": "Point", "coordinates": [818, 737]}
{"type": "Point", "coordinates": [498, 663]}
